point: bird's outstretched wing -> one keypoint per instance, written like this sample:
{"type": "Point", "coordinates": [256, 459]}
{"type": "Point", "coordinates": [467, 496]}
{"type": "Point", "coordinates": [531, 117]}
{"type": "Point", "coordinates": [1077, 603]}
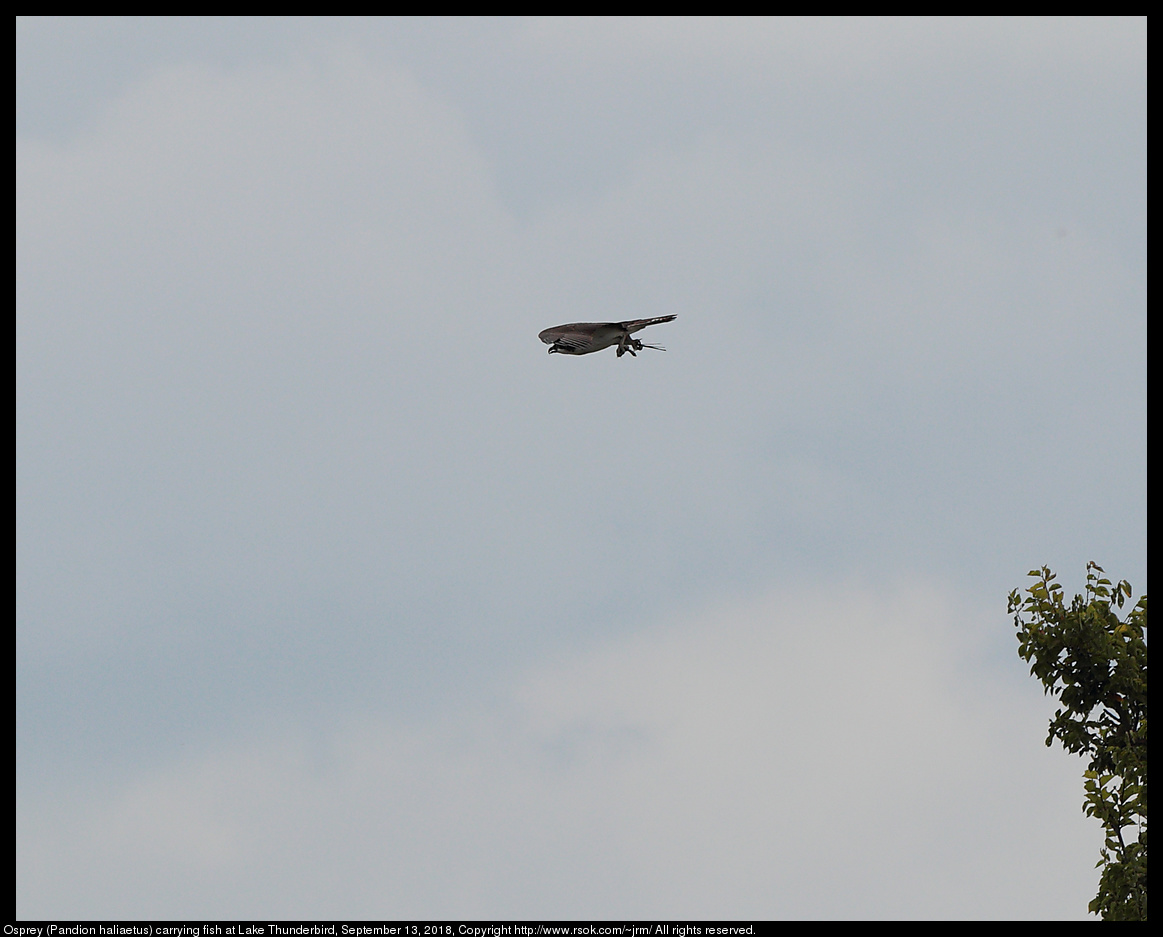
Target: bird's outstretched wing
{"type": "Point", "coordinates": [633, 325]}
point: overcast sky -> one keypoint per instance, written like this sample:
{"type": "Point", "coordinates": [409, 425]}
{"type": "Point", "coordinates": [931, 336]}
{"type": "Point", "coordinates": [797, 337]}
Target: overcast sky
{"type": "Point", "coordinates": [337, 595]}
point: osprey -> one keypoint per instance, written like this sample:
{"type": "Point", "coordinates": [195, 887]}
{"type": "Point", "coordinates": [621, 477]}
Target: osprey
{"type": "Point", "coordinates": [581, 338]}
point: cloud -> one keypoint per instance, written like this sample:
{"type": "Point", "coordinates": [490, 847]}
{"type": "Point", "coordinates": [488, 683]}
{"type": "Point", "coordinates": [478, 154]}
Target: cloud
{"type": "Point", "coordinates": [839, 47]}
{"type": "Point", "coordinates": [282, 408]}
{"type": "Point", "coordinates": [334, 588]}
{"type": "Point", "coordinates": [838, 753]}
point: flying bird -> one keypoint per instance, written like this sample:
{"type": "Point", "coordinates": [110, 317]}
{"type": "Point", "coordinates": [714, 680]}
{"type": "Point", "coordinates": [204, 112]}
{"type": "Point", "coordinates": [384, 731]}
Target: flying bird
{"type": "Point", "coordinates": [582, 338]}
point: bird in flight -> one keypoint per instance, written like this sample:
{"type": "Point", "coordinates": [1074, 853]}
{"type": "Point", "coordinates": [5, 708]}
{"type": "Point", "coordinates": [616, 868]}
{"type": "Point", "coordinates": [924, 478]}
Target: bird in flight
{"type": "Point", "coordinates": [581, 338]}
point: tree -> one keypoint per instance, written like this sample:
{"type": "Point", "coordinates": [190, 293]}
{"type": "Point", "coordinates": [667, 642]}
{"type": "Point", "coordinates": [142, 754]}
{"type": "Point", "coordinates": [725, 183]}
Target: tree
{"type": "Point", "coordinates": [1096, 664]}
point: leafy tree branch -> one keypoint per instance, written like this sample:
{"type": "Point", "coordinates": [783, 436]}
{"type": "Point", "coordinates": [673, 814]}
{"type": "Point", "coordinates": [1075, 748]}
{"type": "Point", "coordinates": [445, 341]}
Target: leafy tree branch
{"type": "Point", "coordinates": [1095, 663]}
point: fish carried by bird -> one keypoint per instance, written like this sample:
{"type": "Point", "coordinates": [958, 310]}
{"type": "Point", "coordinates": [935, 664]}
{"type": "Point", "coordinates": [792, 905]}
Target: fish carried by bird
{"type": "Point", "coordinates": [583, 338]}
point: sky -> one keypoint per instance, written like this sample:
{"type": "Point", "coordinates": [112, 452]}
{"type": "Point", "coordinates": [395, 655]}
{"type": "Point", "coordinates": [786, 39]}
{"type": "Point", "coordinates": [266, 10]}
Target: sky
{"type": "Point", "coordinates": [338, 597]}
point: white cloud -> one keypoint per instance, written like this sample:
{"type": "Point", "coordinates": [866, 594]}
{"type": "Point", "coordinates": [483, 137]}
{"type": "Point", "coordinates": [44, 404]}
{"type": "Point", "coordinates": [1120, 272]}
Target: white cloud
{"type": "Point", "coordinates": [348, 579]}
{"type": "Point", "coordinates": [805, 755]}
{"type": "Point", "coordinates": [836, 48]}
